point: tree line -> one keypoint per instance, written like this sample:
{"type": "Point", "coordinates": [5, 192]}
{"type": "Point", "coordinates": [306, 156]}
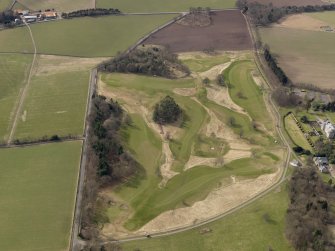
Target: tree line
{"type": "Point", "coordinates": [272, 63]}
{"type": "Point", "coordinates": [309, 214]}
{"type": "Point", "coordinates": [108, 162]}
{"type": "Point", "coordinates": [91, 13]}
{"type": "Point", "coordinates": [262, 14]}
{"type": "Point", "coordinates": [152, 61]}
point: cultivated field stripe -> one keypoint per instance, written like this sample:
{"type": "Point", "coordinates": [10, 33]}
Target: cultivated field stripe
{"type": "Point", "coordinates": [24, 92]}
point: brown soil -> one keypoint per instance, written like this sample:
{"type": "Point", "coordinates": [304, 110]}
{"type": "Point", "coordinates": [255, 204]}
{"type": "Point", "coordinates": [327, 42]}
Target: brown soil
{"type": "Point", "coordinates": [281, 3]}
{"type": "Point", "coordinates": [227, 32]}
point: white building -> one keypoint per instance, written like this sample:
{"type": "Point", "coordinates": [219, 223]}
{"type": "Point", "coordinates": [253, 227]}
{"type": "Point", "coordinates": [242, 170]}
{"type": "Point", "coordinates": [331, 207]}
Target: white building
{"type": "Point", "coordinates": [328, 128]}
{"type": "Point", "coordinates": [321, 163]}
{"type": "Point", "coordinates": [30, 19]}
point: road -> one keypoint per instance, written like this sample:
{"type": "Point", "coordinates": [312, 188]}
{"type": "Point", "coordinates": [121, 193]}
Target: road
{"type": "Point", "coordinates": [25, 89]}
{"type": "Point", "coordinates": [75, 241]}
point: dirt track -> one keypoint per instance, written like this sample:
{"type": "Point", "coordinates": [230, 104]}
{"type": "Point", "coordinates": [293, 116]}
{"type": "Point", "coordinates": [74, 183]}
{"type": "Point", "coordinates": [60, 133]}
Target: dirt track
{"type": "Point", "coordinates": [228, 32]}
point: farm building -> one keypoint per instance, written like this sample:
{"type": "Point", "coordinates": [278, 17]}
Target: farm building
{"type": "Point", "coordinates": [49, 15]}
{"type": "Point", "coordinates": [30, 19]}
{"type": "Point", "coordinates": [321, 163]}
{"type": "Point", "coordinates": [328, 128]}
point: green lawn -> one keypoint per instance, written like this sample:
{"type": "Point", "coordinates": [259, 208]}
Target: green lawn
{"type": "Point", "coordinates": [55, 104]}
{"type": "Point", "coordinates": [259, 226]}
{"type": "Point", "coordinates": [13, 72]}
{"type": "Point", "coordinates": [201, 64]}
{"type": "Point", "coordinates": [37, 193]}
{"type": "Point", "coordinates": [245, 93]}
{"type": "Point", "coordinates": [58, 5]}
{"type": "Point", "coordinates": [161, 5]}
{"type": "Point", "coordinates": [295, 133]}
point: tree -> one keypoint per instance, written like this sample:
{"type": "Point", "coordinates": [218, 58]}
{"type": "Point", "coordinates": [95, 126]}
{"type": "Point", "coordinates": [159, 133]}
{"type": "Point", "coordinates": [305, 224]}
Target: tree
{"type": "Point", "coordinates": [304, 119]}
{"type": "Point", "coordinates": [206, 81]}
{"type": "Point", "coordinates": [220, 80]}
{"type": "Point", "coordinates": [167, 111]}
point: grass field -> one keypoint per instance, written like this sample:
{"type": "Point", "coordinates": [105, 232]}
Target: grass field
{"type": "Point", "coordinates": [295, 133]}
{"type": "Point", "coordinates": [13, 72]}
{"type": "Point", "coordinates": [4, 4]}
{"type": "Point", "coordinates": [306, 56]}
{"type": "Point", "coordinates": [142, 194]}
{"type": "Point", "coordinates": [161, 5]}
{"type": "Point", "coordinates": [58, 5]}
{"type": "Point", "coordinates": [56, 99]}
{"type": "Point", "coordinates": [256, 227]}
{"type": "Point", "coordinates": [37, 192]}
{"type": "Point", "coordinates": [326, 16]}
{"type": "Point", "coordinates": [244, 91]}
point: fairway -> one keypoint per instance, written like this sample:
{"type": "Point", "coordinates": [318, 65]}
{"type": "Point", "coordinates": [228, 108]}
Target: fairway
{"type": "Point", "coordinates": [56, 99]}
{"type": "Point", "coordinates": [259, 226]}
{"type": "Point", "coordinates": [58, 5]}
{"type": "Point", "coordinates": [37, 193]}
{"type": "Point", "coordinates": [163, 6]}
{"type": "Point", "coordinates": [13, 73]}
{"type": "Point", "coordinates": [326, 16]}
{"type": "Point", "coordinates": [180, 173]}
{"type": "Point", "coordinates": [306, 56]}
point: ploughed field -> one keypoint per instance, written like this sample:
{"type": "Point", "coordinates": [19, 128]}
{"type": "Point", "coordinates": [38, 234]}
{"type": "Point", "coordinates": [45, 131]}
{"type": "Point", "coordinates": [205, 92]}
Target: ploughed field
{"type": "Point", "coordinates": [37, 193]}
{"type": "Point", "coordinates": [228, 31]}
{"type": "Point", "coordinates": [217, 149]}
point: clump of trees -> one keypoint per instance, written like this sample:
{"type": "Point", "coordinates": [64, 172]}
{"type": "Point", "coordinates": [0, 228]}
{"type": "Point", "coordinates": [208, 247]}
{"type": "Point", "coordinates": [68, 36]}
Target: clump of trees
{"type": "Point", "coordinates": [266, 14]}
{"type": "Point", "coordinates": [7, 18]}
{"type": "Point", "coordinates": [309, 214]}
{"type": "Point", "coordinates": [325, 148]}
{"type": "Point", "coordinates": [91, 13]}
{"type": "Point", "coordinates": [114, 163]}
{"type": "Point", "coordinates": [330, 107]}
{"type": "Point", "coordinates": [275, 68]}
{"type": "Point", "coordinates": [220, 80]}
{"type": "Point", "coordinates": [197, 17]}
{"type": "Point", "coordinates": [108, 162]}
{"type": "Point", "coordinates": [285, 98]}
{"type": "Point", "coordinates": [167, 111]}
{"type": "Point", "coordinates": [153, 61]}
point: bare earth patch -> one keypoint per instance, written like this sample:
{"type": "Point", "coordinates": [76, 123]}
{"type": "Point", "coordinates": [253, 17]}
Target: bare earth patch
{"type": "Point", "coordinates": [217, 202]}
{"type": "Point", "coordinates": [185, 91]}
{"type": "Point", "coordinates": [214, 71]}
{"type": "Point", "coordinates": [48, 64]}
{"type": "Point", "coordinates": [301, 22]}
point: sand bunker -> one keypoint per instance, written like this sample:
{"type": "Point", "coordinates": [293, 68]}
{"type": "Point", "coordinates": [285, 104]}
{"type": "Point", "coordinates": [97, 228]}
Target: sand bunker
{"type": "Point", "coordinates": [165, 169]}
{"type": "Point", "coordinates": [185, 91]}
{"type": "Point", "coordinates": [217, 202]}
{"type": "Point", "coordinates": [217, 162]}
{"type": "Point", "coordinates": [301, 22]}
{"type": "Point", "coordinates": [214, 71]}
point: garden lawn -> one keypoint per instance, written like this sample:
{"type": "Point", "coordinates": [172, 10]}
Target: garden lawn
{"type": "Point", "coordinates": [37, 193]}
{"type": "Point", "coordinates": [13, 73]}
{"type": "Point", "coordinates": [258, 226]}
{"type": "Point", "coordinates": [162, 5]}
{"type": "Point", "coordinates": [295, 133]}
{"type": "Point", "coordinates": [55, 104]}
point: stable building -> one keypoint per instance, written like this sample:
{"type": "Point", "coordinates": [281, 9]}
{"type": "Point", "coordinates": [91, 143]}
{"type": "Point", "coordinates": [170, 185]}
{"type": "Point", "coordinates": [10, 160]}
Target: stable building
{"type": "Point", "coordinates": [30, 19]}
